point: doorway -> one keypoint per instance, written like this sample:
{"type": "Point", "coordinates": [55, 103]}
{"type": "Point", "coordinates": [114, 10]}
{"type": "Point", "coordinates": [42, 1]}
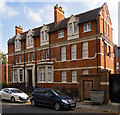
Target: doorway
{"type": "Point", "coordinates": [87, 86]}
{"type": "Point", "coordinates": [29, 78]}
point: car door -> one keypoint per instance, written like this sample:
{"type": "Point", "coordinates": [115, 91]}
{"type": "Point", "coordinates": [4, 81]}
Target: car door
{"type": "Point", "coordinates": [5, 94]}
{"type": "Point", "coordinates": [49, 98]}
{"type": "Point", "coordinates": [39, 96]}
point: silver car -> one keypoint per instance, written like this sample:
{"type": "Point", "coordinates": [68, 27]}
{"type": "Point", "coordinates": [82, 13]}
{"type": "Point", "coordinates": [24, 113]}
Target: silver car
{"type": "Point", "coordinates": [14, 95]}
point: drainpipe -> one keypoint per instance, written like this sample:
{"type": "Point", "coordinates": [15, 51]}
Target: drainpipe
{"type": "Point", "coordinates": [24, 64]}
{"type": "Point", "coordinates": [35, 65]}
{"type": "Point", "coordinates": [104, 41]}
{"type": "Point", "coordinates": [97, 44]}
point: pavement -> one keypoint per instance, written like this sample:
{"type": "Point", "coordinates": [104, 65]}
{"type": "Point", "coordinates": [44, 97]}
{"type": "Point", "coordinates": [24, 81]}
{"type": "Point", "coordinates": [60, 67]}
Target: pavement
{"type": "Point", "coordinates": [107, 108]}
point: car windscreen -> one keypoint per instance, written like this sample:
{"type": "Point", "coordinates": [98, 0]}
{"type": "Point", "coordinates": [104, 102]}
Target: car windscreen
{"type": "Point", "coordinates": [58, 92]}
{"type": "Point", "coordinates": [16, 91]}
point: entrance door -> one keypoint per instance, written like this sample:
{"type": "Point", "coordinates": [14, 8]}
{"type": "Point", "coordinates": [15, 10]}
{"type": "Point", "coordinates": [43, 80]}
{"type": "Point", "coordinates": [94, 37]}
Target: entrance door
{"type": "Point", "coordinates": [30, 78]}
{"type": "Point", "coordinates": [87, 86]}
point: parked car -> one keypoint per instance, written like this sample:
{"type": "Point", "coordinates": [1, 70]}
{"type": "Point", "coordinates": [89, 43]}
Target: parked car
{"type": "Point", "coordinates": [52, 98]}
{"type": "Point", "coordinates": [14, 95]}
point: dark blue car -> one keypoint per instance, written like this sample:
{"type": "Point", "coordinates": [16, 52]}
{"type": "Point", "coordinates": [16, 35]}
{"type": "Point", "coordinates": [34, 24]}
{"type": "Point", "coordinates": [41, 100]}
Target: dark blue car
{"type": "Point", "coordinates": [52, 98]}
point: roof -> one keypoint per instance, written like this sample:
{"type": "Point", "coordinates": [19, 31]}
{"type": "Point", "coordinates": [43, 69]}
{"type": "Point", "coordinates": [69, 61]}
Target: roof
{"type": "Point", "coordinates": [83, 18]}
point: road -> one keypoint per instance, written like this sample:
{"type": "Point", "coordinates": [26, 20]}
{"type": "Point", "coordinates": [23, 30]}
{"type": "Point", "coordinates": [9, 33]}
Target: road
{"type": "Point", "coordinates": [8, 107]}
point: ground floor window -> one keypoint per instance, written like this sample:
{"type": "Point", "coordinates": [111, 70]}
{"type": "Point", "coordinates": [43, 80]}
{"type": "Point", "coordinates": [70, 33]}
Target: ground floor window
{"type": "Point", "coordinates": [18, 75]}
{"type": "Point", "coordinates": [15, 76]}
{"type": "Point", "coordinates": [21, 75]}
{"type": "Point", "coordinates": [74, 76]}
{"type": "Point", "coordinates": [85, 71]}
{"type": "Point", "coordinates": [63, 76]}
{"type": "Point", "coordinates": [45, 74]}
{"type": "Point", "coordinates": [49, 74]}
{"type": "Point", "coordinates": [42, 74]}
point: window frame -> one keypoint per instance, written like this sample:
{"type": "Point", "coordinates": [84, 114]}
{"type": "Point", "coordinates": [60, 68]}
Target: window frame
{"type": "Point", "coordinates": [63, 53]}
{"type": "Point", "coordinates": [32, 56]}
{"type": "Point", "coordinates": [20, 70]}
{"type": "Point", "coordinates": [61, 34]}
{"type": "Point", "coordinates": [64, 73]}
{"type": "Point", "coordinates": [74, 76]}
{"type": "Point", "coordinates": [42, 55]}
{"type": "Point", "coordinates": [28, 57]}
{"type": "Point", "coordinates": [73, 52]}
{"type": "Point", "coordinates": [85, 51]}
{"type": "Point", "coordinates": [87, 27]}
{"type": "Point", "coordinates": [85, 71]}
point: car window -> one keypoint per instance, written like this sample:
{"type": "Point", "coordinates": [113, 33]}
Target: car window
{"type": "Point", "coordinates": [58, 92]}
{"type": "Point", "coordinates": [40, 91]}
{"type": "Point", "coordinates": [48, 93]}
{"type": "Point", "coordinates": [16, 91]}
{"type": "Point", "coordinates": [6, 90]}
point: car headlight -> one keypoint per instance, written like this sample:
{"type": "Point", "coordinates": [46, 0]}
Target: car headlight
{"type": "Point", "coordinates": [64, 101]}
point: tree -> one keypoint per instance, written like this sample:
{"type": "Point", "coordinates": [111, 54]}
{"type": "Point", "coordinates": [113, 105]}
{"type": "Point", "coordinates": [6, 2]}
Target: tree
{"type": "Point", "coordinates": [3, 58]}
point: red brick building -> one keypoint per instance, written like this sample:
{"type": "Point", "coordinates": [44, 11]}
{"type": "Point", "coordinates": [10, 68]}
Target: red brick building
{"type": "Point", "coordinates": [4, 73]}
{"type": "Point", "coordinates": [56, 54]}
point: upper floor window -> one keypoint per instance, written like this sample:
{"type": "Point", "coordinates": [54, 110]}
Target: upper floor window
{"type": "Point", "coordinates": [87, 27]}
{"type": "Point", "coordinates": [19, 58]}
{"type": "Point", "coordinates": [29, 39]}
{"type": "Point", "coordinates": [85, 50]}
{"type": "Point", "coordinates": [70, 28]}
{"type": "Point", "coordinates": [17, 43]}
{"type": "Point", "coordinates": [75, 27]}
{"type": "Point", "coordinates": [32, 56]}
{"type": "Point", "coordinates": [28, 55]}
{"type": "Point", "coordinates": [44, 36]}
{"type": "Point", "coordinates": [47, 53]}
{"type": "Point", "coordinates": [73, 51]}
{"type": "Point", "coordinates": [42, 54]}
{"type": "Point", "coordinates": [61, 34]}
{"type": "Point", "coordinates": [16, 59]}
{"type": "Point", "coordinates": [63, 53]}
{"type": "Point", "coordinates": [74, 76]}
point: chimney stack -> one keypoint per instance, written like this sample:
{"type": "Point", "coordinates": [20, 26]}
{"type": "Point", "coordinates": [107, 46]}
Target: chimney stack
{"type": "Point", "coordinates": [58, 14]}
{"type": "Point", "coordinates": [18, 29]}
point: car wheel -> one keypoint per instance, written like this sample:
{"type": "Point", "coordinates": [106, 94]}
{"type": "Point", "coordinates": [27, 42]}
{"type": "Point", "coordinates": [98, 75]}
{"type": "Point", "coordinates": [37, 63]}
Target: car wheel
{"type": "Point", "coordinates": [12, 99]}
{"type": "Point", "coordinates": [33, 103]}
{"type": "Point", "coordinates": [57, 106]}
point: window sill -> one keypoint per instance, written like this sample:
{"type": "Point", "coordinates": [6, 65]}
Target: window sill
{"type": "Point", "coordinates": [60, 37]}
{"type": "Point", "coordinates": [74, 82]}
{"type": "Point", "coordinates": [73, 34]}
{"type": "Point", "coordinates": [85, 58]}
{"type": "Point", "coordinates": [87, 31]}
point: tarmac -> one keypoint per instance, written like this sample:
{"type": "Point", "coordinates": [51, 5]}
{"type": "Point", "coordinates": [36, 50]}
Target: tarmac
{"type": "Point", "coordinates": [107, 108]}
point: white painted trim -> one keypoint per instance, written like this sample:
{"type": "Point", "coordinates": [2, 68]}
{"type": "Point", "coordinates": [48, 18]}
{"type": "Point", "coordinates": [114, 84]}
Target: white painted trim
{"type": "Point", "coordinates": [105, 21]}
{"type": "Point", "coordinates": [62, 69]}
{"type": "Point", "coordinates": [104, 83]}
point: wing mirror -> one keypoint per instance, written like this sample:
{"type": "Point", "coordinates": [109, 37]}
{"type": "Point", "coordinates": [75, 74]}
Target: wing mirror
{"type": "Point", "coordinates": [10, 92]}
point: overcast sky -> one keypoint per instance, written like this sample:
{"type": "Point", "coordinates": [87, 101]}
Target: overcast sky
{"type": "Point", "coordinates": [34, 13]}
